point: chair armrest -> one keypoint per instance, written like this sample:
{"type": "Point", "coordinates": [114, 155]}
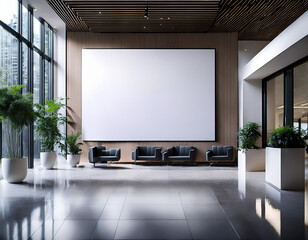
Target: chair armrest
{"type": "Point", "coordinates": [92, 152]}
{"type": "Point", "coordinates": [118, 153]}
{"type": "Point", "coordinates": [165, 154]}
{"type": "Point", "coordinates": [135, 153]}
{"type": "Point", "coordinates": [192, 153]}
{"type": "Point", "coordinates": [230, 153]}
{"type": "Point", "coordinates": [158, 153]}
{"type": "Point", "coordinates": [209, 153]}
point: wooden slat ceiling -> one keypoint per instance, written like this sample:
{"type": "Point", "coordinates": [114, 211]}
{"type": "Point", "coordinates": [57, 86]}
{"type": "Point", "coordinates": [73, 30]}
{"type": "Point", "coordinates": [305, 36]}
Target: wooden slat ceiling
{"type": "Point", "coordinates": [252, 19]}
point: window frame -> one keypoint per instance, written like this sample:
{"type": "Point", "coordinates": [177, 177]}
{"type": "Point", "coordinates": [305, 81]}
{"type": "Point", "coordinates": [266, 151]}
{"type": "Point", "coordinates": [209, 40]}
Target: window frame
{"type": "Point", "coordinates": [43, 56]}
{"type": "Point", "coordinates": [288, 96]}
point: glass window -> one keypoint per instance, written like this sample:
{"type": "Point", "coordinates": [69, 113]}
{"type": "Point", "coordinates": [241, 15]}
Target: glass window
{"type": "Point", "coordinates": [48, 40]}
{"type": "Point", "coordinates": [275, 103]}
{"type": "Point", "coordinates": [25, 22]}
{"type": "Point", "coordinates": [36, 77]}
{"type": "Point", "coordinates": [8, 65]}
{"type": "Point", "coordinates": [9, 13]}
{"type": "Point", "coordinates": [8, 59]}
{"type": "Point", "coordinates": [36, 94]}
{"type": "Point", "coordinates": [24, 69]}
{"type": "Point", "coordinates": [47, 80]}
{"type": "Point", "coordinates": [37, 33]}
{"type": "Point", "coordinates": [301, 96]}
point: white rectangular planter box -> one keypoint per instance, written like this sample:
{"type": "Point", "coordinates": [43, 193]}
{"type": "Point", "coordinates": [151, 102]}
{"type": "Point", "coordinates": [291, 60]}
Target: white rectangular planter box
{"type": "Point", "coordinates": [285, 168]}
{"type": "Point", "coordinates": [252, 160]}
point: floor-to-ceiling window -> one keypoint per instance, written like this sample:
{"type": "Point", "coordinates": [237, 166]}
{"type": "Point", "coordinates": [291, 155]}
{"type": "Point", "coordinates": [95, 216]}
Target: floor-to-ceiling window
{"type": "Point", "coordinates": [275, 103]}
{"type": "Point", "coordinates": [25, 58]}
{"type": "Point", "coordinates": [285, 98]}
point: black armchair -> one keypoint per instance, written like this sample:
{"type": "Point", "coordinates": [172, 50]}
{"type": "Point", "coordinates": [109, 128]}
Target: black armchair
{"type": "Point", "coordinates": [220, 153]}
{"type": "Point", "coordinates": [179, 153]}
{"type": "Point", "coordinates": [100, 154]}
{"type": "Point", "coordinates": [147, 153]}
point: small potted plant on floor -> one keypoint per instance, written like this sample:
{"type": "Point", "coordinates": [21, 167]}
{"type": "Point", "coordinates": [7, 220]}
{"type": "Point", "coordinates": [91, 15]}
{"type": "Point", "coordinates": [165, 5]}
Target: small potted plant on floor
{"type": "Point", "coordinates": [285, 159]}
{"type": "Point", "coordinates": [48, 121]}
{"type": "Point", "coordinates": [16, 111]}
{"type": "Point", "coordinates": [250, 156]}
{"type": "Point", "coordinates": [71, 149]}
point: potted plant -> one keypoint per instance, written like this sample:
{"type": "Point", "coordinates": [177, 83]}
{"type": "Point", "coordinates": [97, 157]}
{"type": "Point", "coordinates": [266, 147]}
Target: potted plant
{"type": "Point", "coordinates": [71, 149]}
{"type": "Point", "coordinates": [250, 156]}
{"type": "Point", "coordinates": [285, 159]}
{"type": "Point", "coordinates": [16, 111]}
{"type": "Point", "coordinates": [48, 121]}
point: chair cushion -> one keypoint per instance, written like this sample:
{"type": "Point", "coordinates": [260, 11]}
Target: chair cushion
{"type": "Point", "coordinates": [147, 150]}
{"type": "Point", "coordinates": [182, 150]}
{"type": "Point", "coordinates": [179, 157]}
{"type": "Point", "coordinates": [220, 150]}
{"type": "Point", "coordinates": [219, 157]}
{"type": "Point", "coordinates": [145, 157]}
{"type": "Point", "coordinates": [108, 158]}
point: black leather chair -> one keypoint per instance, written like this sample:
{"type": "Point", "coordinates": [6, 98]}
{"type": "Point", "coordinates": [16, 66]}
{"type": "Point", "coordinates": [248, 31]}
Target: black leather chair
{"type": "Point", "coordinates": [220, 154]}
{"type": "Point", "coordinates": [100, 154]}
{"type": "Point", "coordinates": [147, 153]}
{"type": "Point", "coordinates": [179, 153]}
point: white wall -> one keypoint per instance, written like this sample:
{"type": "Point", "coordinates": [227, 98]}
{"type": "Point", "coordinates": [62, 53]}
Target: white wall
{"type": "Point", "coordinates": [288, 47]}
{"type": "Point", "coordinates": [250, 93]}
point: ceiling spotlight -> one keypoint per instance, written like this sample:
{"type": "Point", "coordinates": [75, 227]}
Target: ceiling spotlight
{"type": "Point", "coordinates": [146, 13]}
{"type": "Point", "coordinates": [99, 12]}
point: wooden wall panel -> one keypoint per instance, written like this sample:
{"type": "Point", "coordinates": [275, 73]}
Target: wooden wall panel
{"type": "Point", "coordinates": [226, 80]}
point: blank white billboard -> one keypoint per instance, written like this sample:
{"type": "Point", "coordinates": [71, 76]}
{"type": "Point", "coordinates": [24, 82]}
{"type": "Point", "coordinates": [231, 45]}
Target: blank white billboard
{"type": "Point", "coordinates": [148, 94]}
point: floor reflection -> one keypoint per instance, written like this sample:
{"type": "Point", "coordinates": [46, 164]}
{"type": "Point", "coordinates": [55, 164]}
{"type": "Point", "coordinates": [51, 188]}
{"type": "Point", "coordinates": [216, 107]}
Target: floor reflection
{"type": "Point", "coordinates": [149, 202]}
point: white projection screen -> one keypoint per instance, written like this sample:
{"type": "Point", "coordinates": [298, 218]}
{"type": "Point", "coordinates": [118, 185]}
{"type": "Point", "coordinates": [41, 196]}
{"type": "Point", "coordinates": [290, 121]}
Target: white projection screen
{"type": "Point", "coordinates": [148, 94]}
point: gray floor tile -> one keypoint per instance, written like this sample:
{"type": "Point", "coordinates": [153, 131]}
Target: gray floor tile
{"type": "Point", "coordinates": [76, 229]}
{"type": "Point", "coordinates": [111, 212]}
{"type": "Point", "coordinates": [153, 229]}
{"type": "Point", "coordinates": [204, 211]}
{"type": "Point", "coordinates": [47, 230]}
{"type": "Point", "coordinates": [105, 229]}
{"type": "Point", "coordinates": [212, 230]}
{"type": "Point", "coordinates": [257, 212]}
{"type": "Point", "coordinates": [148, 212]}
{"type": "Point", "coordinates": [85, 212]}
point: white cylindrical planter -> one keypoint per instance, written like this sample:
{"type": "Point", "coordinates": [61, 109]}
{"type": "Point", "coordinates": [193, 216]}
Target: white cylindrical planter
{"type": "Point", "coordinates": [48, 159]}
{"type": "Point", "coordinates": [14, 169]}
{"type": "Point", "coordinates": [73, 160]}
{"type": "Point", "coordinates": [285, 168]}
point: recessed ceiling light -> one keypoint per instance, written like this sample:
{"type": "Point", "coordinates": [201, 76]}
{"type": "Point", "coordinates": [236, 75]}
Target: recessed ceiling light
{"type": "Point", "coordinates": [161, 18]}
{"type": "Point", "coordinates": [168, 18]}
{"type": "Point", "coordinates": [99, 12]}
{"type": "Point", "coordinates": [245, 49]}
{"type": "Point", "coordinates": [144, 27]}
{"type": "Point", "coordinates": [146, 13]}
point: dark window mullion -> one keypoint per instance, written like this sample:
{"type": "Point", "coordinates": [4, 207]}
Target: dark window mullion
{"type": "Point", "coordinates": [52, 66]}
{"type": "Point", "coordinates": [288, 97]}
{"type": "Point", "coordinates": [264, 113]}
{"type": "Point", "coordinates": [30, 87]}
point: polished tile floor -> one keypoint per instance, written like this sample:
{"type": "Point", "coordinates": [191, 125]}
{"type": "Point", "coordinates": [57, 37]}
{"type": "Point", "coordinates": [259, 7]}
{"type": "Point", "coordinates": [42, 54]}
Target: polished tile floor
{"type": "Point", "coordinates": [149, 202]}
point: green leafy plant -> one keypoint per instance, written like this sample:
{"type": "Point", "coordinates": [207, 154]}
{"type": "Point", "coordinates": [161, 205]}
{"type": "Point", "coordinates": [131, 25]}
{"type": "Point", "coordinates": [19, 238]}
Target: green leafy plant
{"type": "Point", "coordinates": [248, 135]}
{"type": "Point", "coordinates": [48, 121]}
{"type": "Point", "coordinates": [16, 111]}
{"type": "Point", "coordinates": [286, 137]}
{"type": "Point", "coordinates": [71, 145]}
